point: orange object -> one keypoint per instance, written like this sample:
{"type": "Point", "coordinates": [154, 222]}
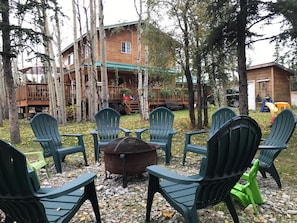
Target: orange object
{"type": "Point", "coordinates": [281, 106]}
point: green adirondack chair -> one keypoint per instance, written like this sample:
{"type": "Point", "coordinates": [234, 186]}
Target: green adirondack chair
{"type": "Point", "coordinates": [160, 130]}
{"type": "Point", "coordinates": [107, 128]}
{"type": "Point", "coordinates": [22, 200]}
{"type": "Point", "coordinates": [229, 153]}
{"type": "Point", "coordinates": [37, 161]}
{"type": "Point", "coordinates": [280, 134]}
{"type": "Point", "coordinates": [45, 128]}
{"type": "Point", "coordinates": [247, 190]}
{"type": "Point", "coordinates": [218, 119]}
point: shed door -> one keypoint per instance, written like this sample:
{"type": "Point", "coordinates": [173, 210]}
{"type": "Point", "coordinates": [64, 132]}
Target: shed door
{"type": "Point", "coordinates": [251, 95]}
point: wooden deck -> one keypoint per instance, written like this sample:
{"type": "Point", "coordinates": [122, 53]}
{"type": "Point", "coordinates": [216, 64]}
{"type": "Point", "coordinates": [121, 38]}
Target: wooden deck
{"type": "Point", "coordinates": [36, 96]}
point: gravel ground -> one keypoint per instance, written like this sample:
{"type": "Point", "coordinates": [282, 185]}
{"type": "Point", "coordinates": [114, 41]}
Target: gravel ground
{"type": "Point", "coordinates": [127, 205]}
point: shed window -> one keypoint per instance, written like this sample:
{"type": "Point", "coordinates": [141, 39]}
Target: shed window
{"type": "Point", "coordinates": [126, 47]}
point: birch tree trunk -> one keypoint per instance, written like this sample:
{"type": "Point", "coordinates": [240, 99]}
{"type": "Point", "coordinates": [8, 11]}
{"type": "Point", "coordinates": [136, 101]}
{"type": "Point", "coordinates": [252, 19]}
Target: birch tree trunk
{"type": "Point", "coordinates": [93, 93]}
{"type": "Point", "coordinates": [139, 70]}
{"type": "Point", "coordinates": [62, 85]}
{"type": "Point", "coordinates": [51, 68]}
{"type": "Point", "coordinates": [104, 77]}
{"type": "Point", "coordinates": [76, 66]}
{"type": "Point", "coordinates": [145, 115]}
{"type": "Point", "coordinates": [82, 71]}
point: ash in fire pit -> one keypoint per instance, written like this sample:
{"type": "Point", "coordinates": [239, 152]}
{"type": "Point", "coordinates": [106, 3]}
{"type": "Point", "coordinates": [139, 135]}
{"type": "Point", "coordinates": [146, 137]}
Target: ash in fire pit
{"type": "Point", "coordinates": [128, 156]}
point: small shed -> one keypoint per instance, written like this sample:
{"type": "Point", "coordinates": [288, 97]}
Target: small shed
{"type": "Point", "coordinates": [269, 78]}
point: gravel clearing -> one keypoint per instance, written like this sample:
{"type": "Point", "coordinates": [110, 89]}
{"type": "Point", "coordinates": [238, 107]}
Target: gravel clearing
{"type": "Point", "coordinates": [127, 205]}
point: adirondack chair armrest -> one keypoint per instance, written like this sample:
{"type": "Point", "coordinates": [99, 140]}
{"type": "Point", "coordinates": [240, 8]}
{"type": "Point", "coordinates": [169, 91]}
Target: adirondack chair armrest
{"type": "Point", "coordinates": [276, 147]}
{"type": "Point", "coordinates": [171, 176]}
{"type": "Point", "coordinates": [72, 135]}
{"type": "Point", "coordinates": [41, 140]}
{"type": "Point", "coordinates": [190, 134]}
{"type": "Point", "coordinates": [172, 132]}
{"type": "Point", "coordinates": [139, 132]}
{"type": "Point", "coordinates": [37, 153]}
{"type": "Point", "coordinates": [93, 132]}
{"type": "Point", "coordinates": [126, 131]}
{"type": "Point", "coordinates": [71, 186]}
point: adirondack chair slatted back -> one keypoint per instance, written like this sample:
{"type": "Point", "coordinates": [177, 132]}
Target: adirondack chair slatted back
{"type": "Point", "coordinates": [16, 191]}
{"type": "Point", "coordinates": [230, 152]}
{"type": "Point", "coordinates": [161, 123]}
{"type": "Point", "coordinates": [218, 118]}
{"type": "Point", "coordinates": [46, 126]}
{"type": "Point", "coordinates": [108, 123]}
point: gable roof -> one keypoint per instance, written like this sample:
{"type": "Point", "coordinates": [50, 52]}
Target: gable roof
{"type": "Point", "coordinates": [132, 23]}
{"type": "Point", "coordinates": [271, 64]}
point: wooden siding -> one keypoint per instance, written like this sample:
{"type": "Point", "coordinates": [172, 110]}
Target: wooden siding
{"type": "Point", "coordinates": [272, 80]}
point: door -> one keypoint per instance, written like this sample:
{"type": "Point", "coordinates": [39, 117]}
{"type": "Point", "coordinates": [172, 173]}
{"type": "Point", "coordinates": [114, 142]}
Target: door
{"type": "Point", "coordinates": [251, 95]}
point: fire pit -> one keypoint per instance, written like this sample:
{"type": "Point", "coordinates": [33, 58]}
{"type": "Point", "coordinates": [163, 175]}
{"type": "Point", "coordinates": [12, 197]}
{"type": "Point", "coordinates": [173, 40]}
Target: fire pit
{"type": "Point", "coordinates": [128, 156]}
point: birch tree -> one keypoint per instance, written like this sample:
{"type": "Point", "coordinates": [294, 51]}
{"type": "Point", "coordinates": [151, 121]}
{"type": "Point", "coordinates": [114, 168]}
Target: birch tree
{"type": "Point", "coordinates": [93, 93]}
{"type": "Point", "coordinates": [82, 55]}
{"type": "Point", "coordinates": [142, 77]}
{"type": "Point", "coordinates": [104, 77]}
{"type": "Point", "coordinates": [60, 61]}
{"type": "Point", "coordinates": [76, 65]}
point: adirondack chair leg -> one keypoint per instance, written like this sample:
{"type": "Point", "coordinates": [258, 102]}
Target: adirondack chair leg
{"type": "Point", "coordinates": [231, 208]}
{"type": "Point", "coordinates": [185, 156]}
{"type": "Point", "coordinates": [191, 215]}
{"type": "Point", "coordinates": [273, 172]}
{"type": "Point", "coordinates": [58, 164]}
{"type": "Point", "coordinates": [91, 191]}
{"type": "Point", "coordinates": [168, 156]}
{"type": "Point", "coordinates": [152, 189]}
{"type": "Point", "coordinates": [85, 158]}
{"type": "Point", "coordinates": [81, 142]}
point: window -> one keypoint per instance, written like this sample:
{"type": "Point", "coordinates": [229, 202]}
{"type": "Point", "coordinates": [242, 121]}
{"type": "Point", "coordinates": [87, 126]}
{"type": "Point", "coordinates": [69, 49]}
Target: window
{"type": "Point", "coordinates": [70, 59]}
{"type": "Point", "coordinates": [126, 47]}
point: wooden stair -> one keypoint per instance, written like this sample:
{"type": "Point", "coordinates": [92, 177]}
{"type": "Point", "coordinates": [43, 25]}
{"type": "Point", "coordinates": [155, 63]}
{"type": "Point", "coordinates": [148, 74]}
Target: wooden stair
{"type": "Point", "coordinates": [131, 107]}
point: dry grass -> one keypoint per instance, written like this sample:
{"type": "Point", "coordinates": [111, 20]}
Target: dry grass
{"type": "Point", "coordinates": [285, 163]}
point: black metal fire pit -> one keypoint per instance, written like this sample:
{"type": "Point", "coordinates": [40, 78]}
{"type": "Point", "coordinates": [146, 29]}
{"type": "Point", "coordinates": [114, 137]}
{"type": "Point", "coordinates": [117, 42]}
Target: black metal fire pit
{"type": "Point", "coordinates": [128, 156]}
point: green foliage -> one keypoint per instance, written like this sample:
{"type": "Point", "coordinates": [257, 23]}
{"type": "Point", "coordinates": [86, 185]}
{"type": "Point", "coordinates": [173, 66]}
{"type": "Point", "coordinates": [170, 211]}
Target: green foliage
{"type": "Point", "coordinates": [126, 91]}
{"type": "Point", "coordinates": [71, 112]}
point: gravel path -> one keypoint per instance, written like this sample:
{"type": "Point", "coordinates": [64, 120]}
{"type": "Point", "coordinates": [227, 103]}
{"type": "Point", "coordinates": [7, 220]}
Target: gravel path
{"type": "Point", "coordinates": [127, 205]}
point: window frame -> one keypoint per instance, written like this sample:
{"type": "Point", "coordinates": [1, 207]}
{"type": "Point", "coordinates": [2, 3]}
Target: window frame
{"type": "Point", "coordinates": [126, 47]}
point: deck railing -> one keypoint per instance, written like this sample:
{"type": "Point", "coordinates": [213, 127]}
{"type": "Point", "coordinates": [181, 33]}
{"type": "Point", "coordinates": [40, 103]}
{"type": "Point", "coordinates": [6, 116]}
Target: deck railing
{"type": "Point", "coordinates": [35, 91]}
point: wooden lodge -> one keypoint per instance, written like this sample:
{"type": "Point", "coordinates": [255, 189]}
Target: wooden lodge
{"type": "Point", "coordinates": [121, 57]}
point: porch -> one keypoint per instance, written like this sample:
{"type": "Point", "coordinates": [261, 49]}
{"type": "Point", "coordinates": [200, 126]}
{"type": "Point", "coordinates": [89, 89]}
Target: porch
{"type": "Point", "coordinates": [34, 97]}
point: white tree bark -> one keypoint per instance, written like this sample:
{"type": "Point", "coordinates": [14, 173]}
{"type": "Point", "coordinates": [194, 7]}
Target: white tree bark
{"type": "Point", "coordinates": [62, 85]}
{"type": "Point", "coordinates": [76, 66]}
{"type": "Point", "coordinates": [104, 77]}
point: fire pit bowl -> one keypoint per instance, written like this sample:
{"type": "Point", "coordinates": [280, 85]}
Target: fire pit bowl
{"type": "Point", "coordinates": [128, 156]}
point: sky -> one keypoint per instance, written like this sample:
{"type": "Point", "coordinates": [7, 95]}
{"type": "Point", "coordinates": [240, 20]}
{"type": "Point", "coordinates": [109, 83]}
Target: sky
{"type": "Point", "coordinates": [117, 11]}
